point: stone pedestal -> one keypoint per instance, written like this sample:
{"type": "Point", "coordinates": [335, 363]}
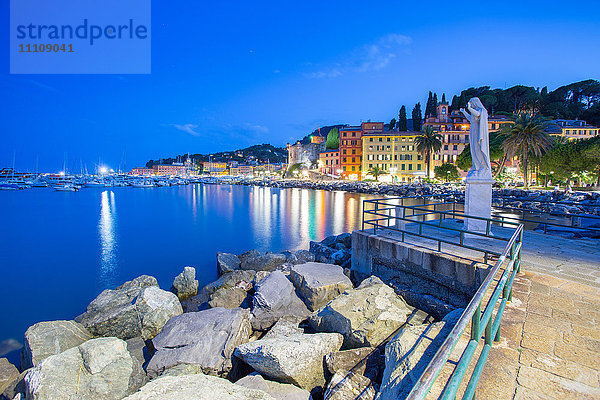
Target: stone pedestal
{"type": "Point", "coordinates": [478, 203]}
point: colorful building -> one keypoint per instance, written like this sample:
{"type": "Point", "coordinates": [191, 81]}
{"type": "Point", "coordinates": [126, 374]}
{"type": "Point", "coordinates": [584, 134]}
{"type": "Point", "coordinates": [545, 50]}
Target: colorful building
{"type": "Point", "coordinates": [169, 169]}
{"type": "Point", "coordinates": [571, 129]}
{"type": "Point", "coordinates": [329, 162]}
{"type": "Point", "coordinates": [454, 128]}
{"type": "Point", "coordinates": [306, 154]}
{"type": "Point", "coordinates": [141, 171]}
{"type": "Point", "coordinates": [214, 168]}
{"type": "Point", "coordinates": [395, 153]}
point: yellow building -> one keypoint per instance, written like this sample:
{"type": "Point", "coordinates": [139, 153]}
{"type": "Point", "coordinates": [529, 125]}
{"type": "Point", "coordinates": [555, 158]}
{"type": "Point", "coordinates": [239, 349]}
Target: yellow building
{"type": "Point", "coordinates": [571, 129]}
{"type": "Point", "coordinates": [215, 168]}
{"type": "Point", "coordinates": [393, 152]}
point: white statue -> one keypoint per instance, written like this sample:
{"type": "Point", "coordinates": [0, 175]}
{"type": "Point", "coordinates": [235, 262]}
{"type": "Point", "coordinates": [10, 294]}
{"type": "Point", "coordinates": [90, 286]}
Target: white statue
{"type": "Point", "coordinates": [479, 140]}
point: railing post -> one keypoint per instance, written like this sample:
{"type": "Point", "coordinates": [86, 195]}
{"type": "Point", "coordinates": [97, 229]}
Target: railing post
{"type": "Point", "coordinates": [475, 324]}
{"type": "Point", "coordinates": [376, 217]}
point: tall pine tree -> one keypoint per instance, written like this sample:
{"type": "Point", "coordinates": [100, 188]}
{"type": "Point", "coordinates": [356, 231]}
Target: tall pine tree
{"type": "Point", "coordinates": [435, 103]}
{"type": "Point", "coordinates": [402, 119]}
{"type": "Point", "coordinates": [429, 107]}
{"type": "Point", "coordinates": [416, 117]}
{"type": "Point", "coordinates": [443, 97]}
{"type": "Point", "coordinates": [393, 124]}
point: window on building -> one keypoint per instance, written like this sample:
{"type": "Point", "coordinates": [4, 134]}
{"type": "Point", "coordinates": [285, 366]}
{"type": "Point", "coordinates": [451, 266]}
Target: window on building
{"type": "Point", "coordinates": [445, 147]}
{"type": "Point", "coordinates": [395, 157]}
{"type": "Point", "coordinates": [370, 147]}
{"type": "Point", "coordinates": [455, 147]}
{"type": "Point", "coordinates": [403, 167]}
{"type": "Point", "coordinates": [370, 165]}
{"type": "Point", "coordinates": [344, 134]}
{"type": "Point", "coordinates": [353, 135]}
{"type": "Point", "coordinates": [353, 160]}
{"type": "Point", "coordinates": [344, 167]}
{"type": "Point", "coordinates": [389, 139]}
{"type": "Point", "coordinates": [353, 151]}
{"type": "Point", "coordinates": [381, 139]}
{"type": "Point", "coordinates": [344, 160]}
{"type": "Point", "coordinates": [370, 139]}
{"type": "Point", "coordinates": [410, 167]}
{"type": "Point", "coordinates": [353, 168]}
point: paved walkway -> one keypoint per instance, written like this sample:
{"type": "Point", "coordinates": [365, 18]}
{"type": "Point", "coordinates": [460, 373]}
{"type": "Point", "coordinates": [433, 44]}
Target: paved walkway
{"type": "Point", "coordinates": [550, 333]}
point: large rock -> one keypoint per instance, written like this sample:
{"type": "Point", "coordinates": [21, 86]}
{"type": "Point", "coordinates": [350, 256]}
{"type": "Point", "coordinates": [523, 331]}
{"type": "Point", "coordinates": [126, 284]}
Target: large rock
{"type": "Point", "coordinates": [275, 297]}
{"type": "Point", "coordinates": [279, 391]}
{"type": "Point", "coordinates": [322, 252]}
{"type": "Point", "coordinates": [294, 359]}
{"type": "Point", "coordinates": [318, 283]}
{"type": "Point", "coordinates": [229, 280]}
{"type": "Point", "coordinates": [45, 339]}
{"type": "Point", "coordinates": [286, 326]}
{"type": "Point", "coordinates": [206, 338]}
{"type": "Point", "coordinates": [227, 262]}
{"type": "Point", "coordinates": [349, 386]}
{"type": "Point", "coordinates": [98, 369]}
{"type": "Point", "coordinates": [264, 262]}
{"type": "Point", "coordinates": [366, 361]}
{"type": "Point", "coordinates": [409, 352]}
{"type": "Point", "coordinates": [15, 387]}
{"type": "Point", "coordinates": [8, 373]}
{"type": "Point", "coordinates": [365, 316]}
{"type": "Point", "coordinates": [185, 284]}
{"type": "Point", "coordinates": [196, 387]}
{"type": "Point", "coordinates": [229, 298]}
{"type": "Point", "coordinates": [249, 254]}
{"type": "Point", "coordinates": [301, 257]}
{"type": "Point", "coordinates": [136, 308]}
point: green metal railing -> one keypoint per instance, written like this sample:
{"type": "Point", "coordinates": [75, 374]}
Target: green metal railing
{"type": "Point", "coordinates": [484, 323]}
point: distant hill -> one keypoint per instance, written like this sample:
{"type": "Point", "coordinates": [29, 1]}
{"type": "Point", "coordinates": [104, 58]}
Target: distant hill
{"type": "Point", "coordinates": [259, 152]}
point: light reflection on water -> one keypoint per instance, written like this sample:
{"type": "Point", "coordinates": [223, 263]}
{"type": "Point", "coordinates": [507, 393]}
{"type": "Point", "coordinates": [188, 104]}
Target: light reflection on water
{"type": "Point", "coordinates": [108, 243]}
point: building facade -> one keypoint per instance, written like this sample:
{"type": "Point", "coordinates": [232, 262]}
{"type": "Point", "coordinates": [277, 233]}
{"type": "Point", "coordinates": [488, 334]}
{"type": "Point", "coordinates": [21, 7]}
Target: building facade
{"type": "Point", "coordinates": [141, 171]}
{"type": "Point", "coordinates": [306, 154]}
{"type": "Point", "coordinates": [329, 162]}
{"type": "Point", "coordinates": [214, 168]}
{"type": "Point", "coordinates": [395, 153]}
{"type": "Point", "coordinates": [571, 129]}
{"type": "Point", "coordinates": [169, 169]}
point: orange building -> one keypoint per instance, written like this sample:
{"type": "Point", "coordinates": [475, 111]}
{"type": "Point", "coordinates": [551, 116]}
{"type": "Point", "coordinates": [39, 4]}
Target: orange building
{"type": "Point", "coordinates": [351, 148]}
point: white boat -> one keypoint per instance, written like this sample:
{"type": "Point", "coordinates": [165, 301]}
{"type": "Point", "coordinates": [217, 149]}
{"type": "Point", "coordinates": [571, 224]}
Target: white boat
{"type": "Point", "coordinates": [95, 183]}
{"type": "Point", "coordinates": [143, 184]}
{"type": "Point", "coordinates": [9, 186]}
{"type": "Point", "coordinates": [67, 187]}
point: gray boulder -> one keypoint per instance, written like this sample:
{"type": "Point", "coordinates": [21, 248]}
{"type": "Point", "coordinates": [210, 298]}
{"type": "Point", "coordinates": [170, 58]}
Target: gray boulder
{"type": "Point", "coordinates": [348, 385]}
{"type": "Point", "coordinates": [15, 387]}
{"type": "Point", "coordinates": [8, 373]}
{"type": "Point", "coordinates": [227, 262]}
{"type": "Point", "coordinates": [286, 326]}
{"type": "Point", "coordinates": [45, 339]}
{"type": "Point", "coordinates": [229, 280]}
{"type": "Point", "coordinates": [185, 284]}
{"type": "Point", "coordinates": [249, 254]}
{"type": "Point", "coordinates": [279, 391]}
{"type": "Point", "coordinates": [183, 369]}
{"type": "Point", "coordinates": [365, 316]}
{"type": "Point", "coordinates": [265, 262]}
{"type": "Point", "coordinates": [409, 352]}
{"type": "Point", "coordinates": [366, 361]}
{"type": "Point", "coordinates": [98, 369]}
{"type": "Point", "coordinates": [229, 298]}
{"type": "Point", "coordinates": [345, 239]}
{"type": "Point", "coordinates": [196, 387]}
{"type": "Point", "coordinates": [319, 283]}
{"type": "Point", "coordinates": [136, 308]}
{"type": "Point", "coordinates": [274, 298]}
{"type": "Point", "coordinates": [206, 338]}
{"type": "Point", "coordinates": [301, 257]}
{"type": "Point", "coordinates": [294, 359]}
{"type": "Point", "coordinates": [322, 252]}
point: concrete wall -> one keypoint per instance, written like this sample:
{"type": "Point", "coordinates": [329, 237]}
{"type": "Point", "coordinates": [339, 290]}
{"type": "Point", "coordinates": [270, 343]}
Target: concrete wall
{"type": "Point", "coordinates": [417, 273]}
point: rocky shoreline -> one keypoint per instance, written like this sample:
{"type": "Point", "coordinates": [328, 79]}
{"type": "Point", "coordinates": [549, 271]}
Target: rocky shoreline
{"type": "Point", "coordinates": [290, 325]}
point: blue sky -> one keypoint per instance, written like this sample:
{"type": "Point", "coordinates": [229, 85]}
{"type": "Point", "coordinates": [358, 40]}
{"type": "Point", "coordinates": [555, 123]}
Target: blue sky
{"type": "Point", "coordinates": [226, 75]}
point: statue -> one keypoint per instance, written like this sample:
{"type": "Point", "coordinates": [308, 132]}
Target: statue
{"type": "Point", "coordinates": [478, 192]}
{"type": "Point", "coordinates": [479, 141]}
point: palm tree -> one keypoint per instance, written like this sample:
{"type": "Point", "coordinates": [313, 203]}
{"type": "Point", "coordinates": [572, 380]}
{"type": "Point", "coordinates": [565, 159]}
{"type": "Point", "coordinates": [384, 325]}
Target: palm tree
{"type": "Point", "coordinates": [376, 172]}
{"type": "Point", "coordinates": [427, 142]}
{"type": "Point", "coordinates": [524, 137]}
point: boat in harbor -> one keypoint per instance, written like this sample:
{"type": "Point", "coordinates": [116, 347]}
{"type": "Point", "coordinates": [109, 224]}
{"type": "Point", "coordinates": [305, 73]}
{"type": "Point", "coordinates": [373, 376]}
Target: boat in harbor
{"type": "Point", "coordinates": [9, 186]}
{"type": "Point", "coordinates": [146, 183]}
{"type": "Point", "coordinates": [67, 187]}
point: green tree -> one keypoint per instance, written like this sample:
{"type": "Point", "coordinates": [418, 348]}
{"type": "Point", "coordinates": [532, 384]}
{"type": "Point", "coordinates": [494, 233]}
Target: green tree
{"type": "Point", "coordinates": [393, 124]}
{"type": "Point", "coordinates": [428, 142]}
{"type": "Point", "coordinates": [443, 97]}
{"type": "Point", "coordinates": [333, 139]}
{"type": "Point", "coordinates": [446, 172]}
{"type": "Point", "coordinates": [416, 117]}
{"type": "Point", "coordinates": [429, 107]}
{"type": "Point", "coordinates": [435, 103]}
{"type": "Point", "coordinates": [525, 136]}
{"type": "Point", "coordinates": [376, 172]}
{"type": "Point", "coordinates": [402, 119]}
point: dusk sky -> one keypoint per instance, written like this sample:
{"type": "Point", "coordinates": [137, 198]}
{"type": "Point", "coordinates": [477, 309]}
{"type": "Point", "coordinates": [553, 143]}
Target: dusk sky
{"type": "Point", "coordinates": [226, 75]}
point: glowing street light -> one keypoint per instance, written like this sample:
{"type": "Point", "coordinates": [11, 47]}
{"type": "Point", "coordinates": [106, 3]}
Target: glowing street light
{"type": "Point", "coordinates": [103, 170]}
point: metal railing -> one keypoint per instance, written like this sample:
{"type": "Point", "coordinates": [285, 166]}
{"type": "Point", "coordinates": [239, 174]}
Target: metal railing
{"type": "Point", "coordinates": [484, 325]}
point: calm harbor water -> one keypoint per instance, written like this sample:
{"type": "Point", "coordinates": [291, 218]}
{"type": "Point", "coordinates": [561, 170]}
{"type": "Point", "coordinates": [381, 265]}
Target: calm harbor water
{"type": "Point", "coordinates": [59, 250]}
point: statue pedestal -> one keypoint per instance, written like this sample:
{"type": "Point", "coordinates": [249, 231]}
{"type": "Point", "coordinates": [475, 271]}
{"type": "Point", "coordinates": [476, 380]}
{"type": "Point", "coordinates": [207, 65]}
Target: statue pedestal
{"type": "Point", "coordinates": [478, 203]}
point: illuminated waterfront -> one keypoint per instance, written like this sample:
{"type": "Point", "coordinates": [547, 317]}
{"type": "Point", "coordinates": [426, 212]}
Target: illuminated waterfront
{"type": "Point", "coordinates": [61, 249]}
